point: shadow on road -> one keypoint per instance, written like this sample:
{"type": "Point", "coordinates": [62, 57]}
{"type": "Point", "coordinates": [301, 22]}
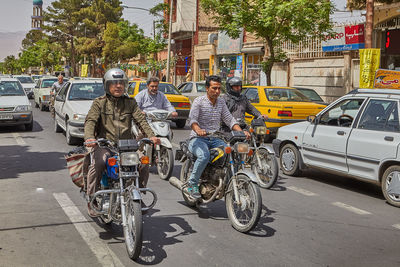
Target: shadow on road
{"type": "Point", "coordinates": [262, 230]}
{"type": "Point", "coordinates": [15, 160]}
{"type": "Point", "coordinates": [21, 128]}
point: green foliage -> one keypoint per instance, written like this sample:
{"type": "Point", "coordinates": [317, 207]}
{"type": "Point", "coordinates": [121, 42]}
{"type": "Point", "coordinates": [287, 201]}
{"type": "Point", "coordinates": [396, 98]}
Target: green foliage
{"type": "Point", "coordinates": [273, 21]}
{"type": "Point", "coordinates": [10, 65]}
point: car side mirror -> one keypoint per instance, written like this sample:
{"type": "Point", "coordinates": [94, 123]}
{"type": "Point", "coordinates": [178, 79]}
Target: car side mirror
{"type": "Point", "coordinates": [311, 118]}
{"type": "Point", "coordinates": [59, 98]}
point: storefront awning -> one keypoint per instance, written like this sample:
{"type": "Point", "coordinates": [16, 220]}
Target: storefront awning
{"type": "Point", "coordinates": [253, 50]}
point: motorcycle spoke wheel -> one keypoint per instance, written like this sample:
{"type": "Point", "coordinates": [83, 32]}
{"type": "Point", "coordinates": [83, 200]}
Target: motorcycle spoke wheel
{"type": "Point", "coordinates": [133, 230]}
{"type": "Point", "coordinates": [267, 173]}
{"type": "Point", "coordinates": [165, 164]}
{"type": "Point", "coordinates": [245, 212]}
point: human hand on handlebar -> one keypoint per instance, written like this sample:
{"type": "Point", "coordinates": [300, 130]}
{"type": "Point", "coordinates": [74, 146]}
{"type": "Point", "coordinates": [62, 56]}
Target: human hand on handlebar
{"type": "Point", "coordinates": [247, 134]}
{"type": "Point", "coordinates": [155, 140]}
{"type": "Point", "coordinates": [91, 143]}
{"type": "Point", "coordinates": [174, 114]}
{"type": "Point", "coordinates": [265, 116]}
{"type": "Point", "coordinates": [201, 132]}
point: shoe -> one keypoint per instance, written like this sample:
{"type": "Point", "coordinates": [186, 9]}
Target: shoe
{"type": "Point", "coordinates": [194, 191]}
{"type": "Point", "coordinates": [91, 212]}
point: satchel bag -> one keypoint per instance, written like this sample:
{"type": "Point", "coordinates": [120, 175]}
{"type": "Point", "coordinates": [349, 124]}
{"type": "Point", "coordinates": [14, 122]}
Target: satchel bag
{"type": "Point", "coordinates": [77, 164]}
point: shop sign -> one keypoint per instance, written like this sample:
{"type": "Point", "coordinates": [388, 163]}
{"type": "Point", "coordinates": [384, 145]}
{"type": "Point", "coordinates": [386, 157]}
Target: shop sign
{"type": "Point", "coordinates": [387, 79]}
{"type": "Point", "coordinates": [369, 63]}
{"type": "Point", "coordinates": [345, 38]}
{"type": "Point", "coordinates": [226, 45]}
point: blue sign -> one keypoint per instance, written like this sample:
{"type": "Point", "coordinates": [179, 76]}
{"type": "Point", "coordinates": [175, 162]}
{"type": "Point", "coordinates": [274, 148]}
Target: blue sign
{"type": "Point", "coordinates": [346, 47]}
{"type": "Point", "coordinates": [239, 62]}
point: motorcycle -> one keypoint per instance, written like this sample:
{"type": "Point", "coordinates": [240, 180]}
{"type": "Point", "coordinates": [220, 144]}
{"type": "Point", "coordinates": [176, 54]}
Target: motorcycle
{"type": "Point", "coordinates": [263, 161]}
{"type": "Point", "coordinates": [224, 176]}
{"type": "Point", "coordinates": [162, 155]}
{"type": "Point", "coordinates": [119, 198]}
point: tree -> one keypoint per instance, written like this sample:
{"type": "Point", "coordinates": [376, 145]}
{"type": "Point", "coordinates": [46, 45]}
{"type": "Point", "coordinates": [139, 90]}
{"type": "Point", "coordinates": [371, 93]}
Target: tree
{"type": "Point", "coordinates": [360, 4]}
{"type": "Point", "coordinates": [273, 21]}
{"type": "Point", "coordinates": [10, 64]}
{"type": "Point", "coordinates": [31, 38]}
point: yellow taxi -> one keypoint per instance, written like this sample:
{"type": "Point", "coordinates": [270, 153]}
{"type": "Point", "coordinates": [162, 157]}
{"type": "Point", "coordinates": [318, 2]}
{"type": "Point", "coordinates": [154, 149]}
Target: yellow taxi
{"type": "Point", "coordinates": [283, 105]}
{"type": "Point", "coordinates": [181, 103]}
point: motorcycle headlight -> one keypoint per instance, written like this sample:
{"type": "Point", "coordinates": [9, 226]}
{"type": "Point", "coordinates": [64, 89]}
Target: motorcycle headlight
{"type": "Point", "coordinates": [261, 130]}
{"type": "Point", "coordinates": [242, 148]}
{"type": "Point", "coordinates": [23, 108]}
{"type": "Point", "coordinates": [79, 117]}
{"type": "Point", "coordinates": [129, 159]}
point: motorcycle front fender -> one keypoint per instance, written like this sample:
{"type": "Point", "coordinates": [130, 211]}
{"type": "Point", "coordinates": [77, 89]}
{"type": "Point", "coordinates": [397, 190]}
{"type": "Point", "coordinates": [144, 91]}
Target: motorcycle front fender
{"type": "Point", "coordinates": [269, 149]}
{"type": "Point", "coordinates": [165, 142]}
{"type": "Point", "coordinates": [249, 174]}
{"type": "Point", "coordinates": [136, 195]}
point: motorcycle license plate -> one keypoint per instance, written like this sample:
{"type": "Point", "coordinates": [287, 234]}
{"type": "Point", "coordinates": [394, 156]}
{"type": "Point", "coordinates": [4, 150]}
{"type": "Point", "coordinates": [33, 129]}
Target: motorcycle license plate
{"type": "Point", "coordinates": [6, 117]}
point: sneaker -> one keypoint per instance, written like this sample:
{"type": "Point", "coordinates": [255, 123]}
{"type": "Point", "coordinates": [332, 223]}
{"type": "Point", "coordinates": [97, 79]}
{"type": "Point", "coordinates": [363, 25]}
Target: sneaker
{"type": "Point", "coordinates": [194, 191]}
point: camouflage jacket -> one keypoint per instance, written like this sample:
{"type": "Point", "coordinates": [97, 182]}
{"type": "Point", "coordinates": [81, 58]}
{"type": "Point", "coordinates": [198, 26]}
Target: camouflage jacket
{"type": "Point", "coordinates": [111, 118]}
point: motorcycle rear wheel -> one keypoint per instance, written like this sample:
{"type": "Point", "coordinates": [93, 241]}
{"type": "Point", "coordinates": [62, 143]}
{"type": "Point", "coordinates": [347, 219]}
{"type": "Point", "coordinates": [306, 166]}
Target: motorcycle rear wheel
{"type": "Point", "coordinates": [133, 231]}
{"type": "Point", "coordinates": [184, 178]}
{"type": "Point", "coordinates": [245, 215]}
{"type": "Point", "coordinates": [268, 178]}
{"type": "Point", "coordinates": [165, 164]}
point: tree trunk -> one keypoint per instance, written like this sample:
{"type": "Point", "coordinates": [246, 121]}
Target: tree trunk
{"type": "Point", "coordinates": [268, 61]}
{"type": "Point", "coordinates": [369, 23]}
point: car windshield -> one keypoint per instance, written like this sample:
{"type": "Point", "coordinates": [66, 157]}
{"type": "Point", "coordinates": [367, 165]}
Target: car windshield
{"type": "Point", "coordinates": [201, 87]}
{"type": "Point", "coordinates": [11, 89]}
{"type": "Point", "coordinates": [283, 94]}
{"type": "Point", "coordinates": [311, 94]}
{"type": "Point", "coordinates": [165, 88]}
{"type": "Point", "coordinates": [48, 83]}
{"type": "Point", "coordinates": [85, 91]}
{"type": "Point", "coordinates": [25, 79]}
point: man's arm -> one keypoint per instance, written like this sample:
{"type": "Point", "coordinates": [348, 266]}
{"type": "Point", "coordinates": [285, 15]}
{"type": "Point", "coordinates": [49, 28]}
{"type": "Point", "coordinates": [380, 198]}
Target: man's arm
{"type": "Point", "coordinates": [251, 109]}
{"type": "Point", "coordinates": [227, 117]}
{"type": "Point", "coordinates": [166, 104]}
{"type": "Point", "coordinates": [91, 122]}
{"type": "Point", "coordinates": [139, 100]}
{"type": "Point", "coordinates": [194, 118]}
{"type": "Point", "coordinates": [140, 120]}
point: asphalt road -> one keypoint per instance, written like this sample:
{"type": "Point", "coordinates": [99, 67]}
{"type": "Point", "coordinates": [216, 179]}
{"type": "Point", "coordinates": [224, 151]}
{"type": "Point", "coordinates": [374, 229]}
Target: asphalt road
{"type": "Point", "coordinates": [318, 220]}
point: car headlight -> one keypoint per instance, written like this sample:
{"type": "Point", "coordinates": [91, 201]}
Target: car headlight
{"type": "Point", "coordinates": [242, 148]}
{"type": "Point", "coordinates": [129, 159]}
{"type": "Point", "coordinates": [79, 117]}
{"type": "Point", "coordinates": [23, 108]}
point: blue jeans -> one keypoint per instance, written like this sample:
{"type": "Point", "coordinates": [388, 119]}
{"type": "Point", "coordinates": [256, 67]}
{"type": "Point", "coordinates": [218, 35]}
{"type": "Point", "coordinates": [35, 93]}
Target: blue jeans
{"type": "Point", "coordinates": [200, 147]}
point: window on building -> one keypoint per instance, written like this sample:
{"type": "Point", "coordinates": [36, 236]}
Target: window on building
{"type": "Point", "coordinates": [204, 69]}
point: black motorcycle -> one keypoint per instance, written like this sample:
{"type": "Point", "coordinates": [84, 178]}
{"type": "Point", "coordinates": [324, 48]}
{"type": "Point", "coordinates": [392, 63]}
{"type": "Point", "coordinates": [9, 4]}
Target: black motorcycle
{"type": "Point", "coordinates": [224, 176]}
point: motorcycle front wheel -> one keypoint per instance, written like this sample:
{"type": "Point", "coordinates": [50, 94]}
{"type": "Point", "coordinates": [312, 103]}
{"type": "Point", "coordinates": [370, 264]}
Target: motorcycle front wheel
{"type": "Point", "coordinates": [165, 164]}
{"type": "Point", "coordinates": [245, 212]}
{"type": "Point", "coordinates": [133, 231]}
{"type": "Point", "coordinates": [267, 173]}
{"type": "Point", "coordinates": [185, 174]}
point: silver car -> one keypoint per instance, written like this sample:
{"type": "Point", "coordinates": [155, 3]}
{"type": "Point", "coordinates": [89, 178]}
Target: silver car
{"type": "Point", "coordinates": [192, 89]}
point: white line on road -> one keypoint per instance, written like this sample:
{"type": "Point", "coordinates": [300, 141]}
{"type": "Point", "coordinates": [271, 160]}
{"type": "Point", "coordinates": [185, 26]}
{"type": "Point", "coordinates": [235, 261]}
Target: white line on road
{"type": "Point", "coordinates": [19, 139]}
{"type": "Point", "coordinates": [396, 226]}
{"type": "Point", "coordinates": [350, 208]}
{"type": "Point", "coordinates": [103, 253]}
{"type": "Point", "coordinates": [302, 191]}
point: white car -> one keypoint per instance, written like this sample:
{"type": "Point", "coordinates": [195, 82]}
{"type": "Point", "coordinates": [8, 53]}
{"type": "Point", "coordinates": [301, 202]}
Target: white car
{"type": "Point", "coordinates": [72, 103]}
{"type": "Point", "coordinates": [15, 108]}
{"type": "Point", "coordinates": [27, 83]}
{"type": "Point", "coordinates": [358, 136]}
{"type": "Point", "coordinates": [42, 92]}
{"type": "Point", "coordinates": [193, 89]}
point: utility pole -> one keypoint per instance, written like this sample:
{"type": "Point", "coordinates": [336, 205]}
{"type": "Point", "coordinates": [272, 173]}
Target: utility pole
{"type": "Point", "coordinates": [169, 39]}
{"type": "Point", "coordinates": [369, 23]}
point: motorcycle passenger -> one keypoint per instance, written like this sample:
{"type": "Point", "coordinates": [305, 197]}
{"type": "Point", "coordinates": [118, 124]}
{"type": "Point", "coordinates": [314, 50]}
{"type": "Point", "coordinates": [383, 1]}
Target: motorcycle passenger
{"type": "Point", "coordinates": [152, 99]}
{"type": "Point", "coordinates": [206, 115]}
{"type": "Point", "coordinates": [110, 117]}
{"type": "Point", "coordinates": [238, 104]}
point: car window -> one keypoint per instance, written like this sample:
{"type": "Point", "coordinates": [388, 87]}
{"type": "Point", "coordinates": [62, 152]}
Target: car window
{"type": "Point", "coordinates": [47, 83]}
{"type": "Point", "coordinates": [187, 88]}
{"type": "Point", "coordinates": [252, 95]}
{"type": "Point", "coordinates": [165, 88]}
{"type": "Point", "coordinates": [85, 91]}
{"type": "Point", "coordinates": [131, 88]}
{"type": "Point", "coordinates": [11, 88]}
{"type": "Point", "coordinates": [63, 91]}
{"type": "Point", "coordinates": [380, 115]}
{"type": "Point", "coordinates": [201, 87]}
{"type": "Point", "coordinates": [311, 94]}
{"type": "Point", "coordinates": [25, 79]}
{"type": "Point", "coordinates": [341, 114]}
{"type": "Point", "coordinates": [181, 86]}
{"type": "Point", "coordinates": [283, 94]}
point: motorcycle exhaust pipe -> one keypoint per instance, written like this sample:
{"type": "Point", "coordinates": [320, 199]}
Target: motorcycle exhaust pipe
{"type": "Point", "coordinates": [176, 182]}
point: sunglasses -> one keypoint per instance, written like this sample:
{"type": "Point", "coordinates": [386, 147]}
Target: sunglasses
{"type": "Point", "coordinates": [117, 82]}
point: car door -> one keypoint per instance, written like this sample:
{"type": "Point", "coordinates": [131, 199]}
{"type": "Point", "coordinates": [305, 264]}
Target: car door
{"type": "Point", "coordinates": [375, 139]}
{"type": "Point", "coordinates": [324, 143]}
{"type": "Point", "coordinates": [59, 105]}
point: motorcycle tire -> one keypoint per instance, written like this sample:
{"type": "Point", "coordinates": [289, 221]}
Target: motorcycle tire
{"type": "Point", "coordinates": [184, 178]}
{"type": "Point", "coordinates": [133, 231]}
{"type": "Point", "coordinates": [167, 158]}
{"type": "Point", "coordinates": [252, 200]}
{"type": "Point", "coordinates": [266, 180]}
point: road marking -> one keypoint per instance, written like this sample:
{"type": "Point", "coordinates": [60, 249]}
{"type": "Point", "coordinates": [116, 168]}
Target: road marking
{"type": "Point", "coordinates": [19, 139]}
{"type": "Point", "coordinates": [175, 145]}
{"type": "Point", "coordinates": [103, 253]}
{"type": "Point", "coordinates": [396, 226]}
{"type": "Point", "coordinates": [350, 208]}
{"type": "Point", "coordinates": [302, 191]}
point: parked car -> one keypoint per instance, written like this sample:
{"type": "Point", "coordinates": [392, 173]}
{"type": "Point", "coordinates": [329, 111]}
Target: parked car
{"type": "Point", "coordinates": [311, 94]}
{"type": "Point", "coordinates": [42, 92]}
{"type": "Point", "coordinates": [358, 136]}
{"type": "Point", "coordinates": [181, 103]}
{"type": "Point", "coordinates": [36, 77]}
{"type": "Point", "coordinates": [72, 103]}
{"type": "Point", "coordinates": [27, 83]}
{"type": "Point", "coordinates": [15, 108]}
{"type": "Point", "coordinates": [192, 89]}
{"type": "Point", "coordinates": [283, 105]}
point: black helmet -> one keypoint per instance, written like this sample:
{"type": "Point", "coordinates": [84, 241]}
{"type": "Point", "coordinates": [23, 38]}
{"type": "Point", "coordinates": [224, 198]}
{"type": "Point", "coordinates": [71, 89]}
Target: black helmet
{"type": "Point", "coordinates": [114, 74]}
{"type": "Point", "coordinates": [234, 81]}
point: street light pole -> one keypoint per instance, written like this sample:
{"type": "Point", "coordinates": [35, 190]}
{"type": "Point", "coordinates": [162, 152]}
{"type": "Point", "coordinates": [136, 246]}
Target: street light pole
{"type": "Point", "coordinates": [169, 40]}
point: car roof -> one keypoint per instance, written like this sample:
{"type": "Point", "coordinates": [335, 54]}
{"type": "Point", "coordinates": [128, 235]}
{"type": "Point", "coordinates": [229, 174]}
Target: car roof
{"type": "Point", "coordinates": [7, 79]}
{"type": "Point", "coordinates": [271, 87]}
{"type": "Point", "coordinates": [376, 92]}
{"type": "Point", "coordinates": [86, 81]}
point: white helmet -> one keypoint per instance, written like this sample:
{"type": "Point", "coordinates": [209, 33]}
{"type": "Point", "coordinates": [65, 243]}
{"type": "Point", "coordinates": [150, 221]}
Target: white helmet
{"type": "Point", "coordinates": [114, 74]}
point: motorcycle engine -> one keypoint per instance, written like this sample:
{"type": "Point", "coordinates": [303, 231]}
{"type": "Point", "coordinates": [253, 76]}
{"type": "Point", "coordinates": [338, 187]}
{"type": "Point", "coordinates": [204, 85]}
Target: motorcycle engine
{"type": "Point", "coordinates": [210, 181]}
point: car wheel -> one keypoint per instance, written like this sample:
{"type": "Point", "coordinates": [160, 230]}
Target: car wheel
{"type": "Point", "coordinates": [391, 185]}
{"type": "Point", "coordinates": [57, 127]}
{"type": "Point", "coordinates": [289, 160]}
{"type": "Point", "coordinates": [70, 139]}
{"type": "Point", "coordinates": [29, 126]}
{"type": "Point", "coordinates": [180, 123]}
